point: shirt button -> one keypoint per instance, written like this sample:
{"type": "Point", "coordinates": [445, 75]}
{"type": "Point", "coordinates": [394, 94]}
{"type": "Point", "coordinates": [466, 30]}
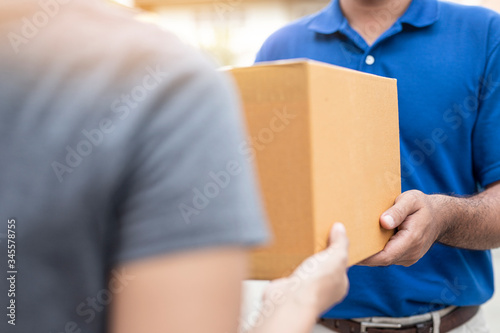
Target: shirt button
{"type": "Point", "coordinates": [370, 60]}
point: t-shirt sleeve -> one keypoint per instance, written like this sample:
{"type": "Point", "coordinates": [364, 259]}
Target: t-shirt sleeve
{"type": "Point", "coordinates": [189, 186]}
{"type": "Point", "coordinates": [486, 135]}
{"type": "Point", "coordinates": [274, 48]}
{"type": "Point", "coordinates": [262, 54]}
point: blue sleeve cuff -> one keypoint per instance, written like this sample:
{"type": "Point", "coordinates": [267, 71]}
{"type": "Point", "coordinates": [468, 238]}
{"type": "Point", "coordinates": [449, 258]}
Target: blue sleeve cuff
{"type": "Point", "coordinates": [490, 175]}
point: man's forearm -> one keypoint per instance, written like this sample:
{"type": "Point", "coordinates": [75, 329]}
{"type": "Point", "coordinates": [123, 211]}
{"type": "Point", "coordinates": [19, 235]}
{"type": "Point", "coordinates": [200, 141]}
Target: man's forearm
{"type": "Point", "coordinates": [471, 223]}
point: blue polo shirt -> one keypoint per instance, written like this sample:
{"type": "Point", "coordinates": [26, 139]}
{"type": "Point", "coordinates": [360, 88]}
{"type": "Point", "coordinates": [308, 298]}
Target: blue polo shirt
{"type": "Point", "coordinates": [446, 58]}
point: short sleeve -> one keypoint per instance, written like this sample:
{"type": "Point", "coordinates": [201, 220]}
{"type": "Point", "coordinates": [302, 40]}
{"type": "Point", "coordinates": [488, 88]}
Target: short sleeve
{"type": "Point", "coordinates": [261, 55]}
{"type": "Point", "coordinates": [189, 186]}
{"type": "Point", "coordinates": [274, 47]}
{"type": "Point", "coordinates": [486, 135]}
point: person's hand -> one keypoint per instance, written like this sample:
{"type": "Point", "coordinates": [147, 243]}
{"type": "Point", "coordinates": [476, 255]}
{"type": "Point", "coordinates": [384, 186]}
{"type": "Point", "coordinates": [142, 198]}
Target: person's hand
{"type": "Point", "coordinates": [419, 224]}
{"type": "Point", "coordinates": [321, 280]}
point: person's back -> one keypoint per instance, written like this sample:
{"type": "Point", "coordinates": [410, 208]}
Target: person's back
{"type": "Point", "coordinates": [114, 139]}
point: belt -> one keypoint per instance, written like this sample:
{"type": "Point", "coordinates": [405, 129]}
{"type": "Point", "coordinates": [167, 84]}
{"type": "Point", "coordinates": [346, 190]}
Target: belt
{"type": "Point", "coordinates": [449, 322]}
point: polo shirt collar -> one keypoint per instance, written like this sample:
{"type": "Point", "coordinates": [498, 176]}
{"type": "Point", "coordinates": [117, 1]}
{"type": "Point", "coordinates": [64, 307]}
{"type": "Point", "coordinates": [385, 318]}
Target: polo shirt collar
{"type": "Point", "coordinates": [329, 20]}
{"type": "Point", "coordinates": [420, 13]}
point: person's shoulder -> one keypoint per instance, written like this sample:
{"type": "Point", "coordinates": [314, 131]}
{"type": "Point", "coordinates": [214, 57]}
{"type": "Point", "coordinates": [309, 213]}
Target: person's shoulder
{"type": "Point", "coordinates": [104, 37]}
{"type": "Point", "coordinates": [478, 15]}
{"type": "Point", "coordinates": [281, 43]}
{"type": "Point", "coordinates": [124, 34]}
{"type": "Point", "coordinates": [124, 50]}
{"type": "Point", "coordinates": [481, 22]}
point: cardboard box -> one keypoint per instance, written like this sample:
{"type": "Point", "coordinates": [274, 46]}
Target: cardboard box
{"type": "Point", "coordinates": [326, 142]}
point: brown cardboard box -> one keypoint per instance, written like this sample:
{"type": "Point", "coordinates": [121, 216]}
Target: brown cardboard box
{"type": "Point", "coordinates": [326, 141]}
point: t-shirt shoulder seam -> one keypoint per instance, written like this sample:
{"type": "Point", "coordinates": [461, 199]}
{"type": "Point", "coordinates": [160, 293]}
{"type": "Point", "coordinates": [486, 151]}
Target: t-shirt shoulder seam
{"type": "Point", "coordinates": [496, 45]}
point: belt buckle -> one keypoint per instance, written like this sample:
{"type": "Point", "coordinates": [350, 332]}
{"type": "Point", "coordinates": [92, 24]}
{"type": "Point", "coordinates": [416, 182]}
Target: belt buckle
{"type": "Point", "coordinates": [366, 325]}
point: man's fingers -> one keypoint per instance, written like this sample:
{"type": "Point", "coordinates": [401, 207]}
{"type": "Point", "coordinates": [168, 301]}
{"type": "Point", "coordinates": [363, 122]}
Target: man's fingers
{"type": "Point", "coordinates": [405, 205]}
{"type": "Point", "coordinates": [375, 260]}
{"type": "Point", "coordinates": [396, 252]}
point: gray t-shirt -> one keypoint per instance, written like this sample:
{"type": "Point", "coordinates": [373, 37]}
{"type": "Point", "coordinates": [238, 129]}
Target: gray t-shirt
{"type": "Point", "coordinates": [117, 143]}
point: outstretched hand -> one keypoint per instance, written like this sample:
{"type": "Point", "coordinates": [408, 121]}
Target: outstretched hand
{"type": "Point", "coordinates": [321, 280]}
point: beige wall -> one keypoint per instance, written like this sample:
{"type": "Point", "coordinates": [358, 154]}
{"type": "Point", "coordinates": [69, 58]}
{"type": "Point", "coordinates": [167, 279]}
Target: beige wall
{"type": "Point", "coordinates": [232, 31]}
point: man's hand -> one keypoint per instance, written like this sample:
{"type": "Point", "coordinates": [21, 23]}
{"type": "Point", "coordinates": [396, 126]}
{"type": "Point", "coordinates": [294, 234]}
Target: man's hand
{"type": "Point", "coordinates": [318, 283]}
{"type": "Point", "coordinates": [419, 221]}
{"type": "Point", "coordinates": [325, 283]}
{"type": "Point", "coordinates": [321, 280]}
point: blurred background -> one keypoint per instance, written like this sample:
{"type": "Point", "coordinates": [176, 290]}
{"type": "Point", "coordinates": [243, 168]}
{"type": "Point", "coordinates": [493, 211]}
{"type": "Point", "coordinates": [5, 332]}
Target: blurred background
{"type": "Point", "coordinates": [232, 31]}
